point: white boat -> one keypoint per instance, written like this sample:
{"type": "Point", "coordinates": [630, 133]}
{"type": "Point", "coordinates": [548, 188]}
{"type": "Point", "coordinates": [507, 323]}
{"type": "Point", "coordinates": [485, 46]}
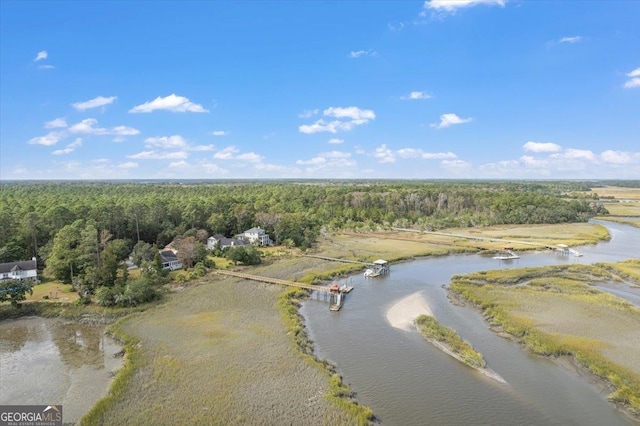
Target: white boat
{"type": "Point", "coordinates": [370, 273]}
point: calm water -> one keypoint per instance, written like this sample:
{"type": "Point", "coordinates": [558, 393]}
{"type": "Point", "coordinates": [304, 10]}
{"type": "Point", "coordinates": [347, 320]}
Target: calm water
{"type": "Point", "coordinates": [407, 381]}
{"type": "Point", "coordinates": [49, 361]}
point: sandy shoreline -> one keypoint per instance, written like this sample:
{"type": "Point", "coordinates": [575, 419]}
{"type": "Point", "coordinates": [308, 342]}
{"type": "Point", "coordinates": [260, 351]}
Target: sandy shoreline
{"type": "Point", "coordinates": [403, 314]}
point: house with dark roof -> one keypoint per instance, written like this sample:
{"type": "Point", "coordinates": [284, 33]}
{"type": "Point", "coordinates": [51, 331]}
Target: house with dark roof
{"type": "Point", "coordinates": [21, 270]}
{"type": "Point", "coordinates": [170, 260]}
{"type": "Point", "coordinates": [222, 242]}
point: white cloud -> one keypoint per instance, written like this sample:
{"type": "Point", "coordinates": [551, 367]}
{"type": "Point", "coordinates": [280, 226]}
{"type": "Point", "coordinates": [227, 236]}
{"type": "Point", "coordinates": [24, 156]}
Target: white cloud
{"type": "Point", "coordinates": [384, 154]}
{"type": "Point", "coordinates": [226, 154]}
{"type": "Point", "coordinates": [354, 115]}
{"type": "Point", "coordinates": [250, 157]}
{"type": "Point", "coordinates": [308, 113]}
{"type": "Point", "coordinates": [175, 142]}
{"type": "Point", "coordinates": [360, 53]}
{"type": "Point", "coordinates": [124, 131]}
{"type": "Point", "coordinates": [56, 123]}
{"type": "Point", "coordinates": [178, 164]}
{"type": "Point", "coordinates": [336, 141]}
{"type": "Point", "coordinates": [571, 40]}
{"type": "Point", "coordinates": [170, 103]}
{"type": "Point", "coordinates": [154, 155]}
{"type": "Point", "coordinates": [416, 95]}
{"type": "Point", "coordinates": [214, 168]}
{"type": "Point", "coordinates": [541, 147]}
{"type": "Point", "coordinates": [49, 139]}
{"type": "Point", "coordinates": [633, 83]}
{"type": "Point", "coordinates": [449, 119]}
{"type": "Point", "coordinates": [418, 153]}
{"type": "Point", "coordinates": [575, 154]}
{"type": "Point", "coordinates": [315, 161]}
{"type": "Point", "coordinates": [46, 67]}
{"type": "Point", "coordinates": [453, 5]}
{"type": "Point", "coordinates": [94, 103]}
{"type": "Point", "coordinates": [41, 56]}
{"type": "Point", "coordinates": [169, 142]}
{"type": "Point", "coordinates": [620, 157]}
{"type": "Point", "coordinates": [88, 126]}
{"type": "Point", "coordinates": [69, 148]}
{"type": "Point", "coordinates": [395, 27]}
{"type": "Point", "coordinates": [634, 79]}
{"type": "Point", "coordinates": [324, 126]}
{"type": "Point", "coordinates": [201, 148]}
{"type": "Point", "coordinates": [455, 166]}
{"type": "Point", "coordinates": [328, 163]}
{"type": "Point", "coordinates": [220, 132]}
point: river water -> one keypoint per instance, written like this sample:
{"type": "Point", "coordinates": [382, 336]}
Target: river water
{"type": "Point", "coordinates": [407, 381]}
{"type": "Point", "coordinates": [50, 361]}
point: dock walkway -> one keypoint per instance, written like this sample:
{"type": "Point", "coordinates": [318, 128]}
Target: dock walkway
{"type": "Point", "coordinates": [272, 280]}
{"type": "Point", "coordinates": [333, 259]}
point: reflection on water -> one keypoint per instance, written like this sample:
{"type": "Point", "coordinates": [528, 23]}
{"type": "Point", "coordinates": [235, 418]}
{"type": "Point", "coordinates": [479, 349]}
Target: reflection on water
{"type": "Point", "coordinates": [48, 361]}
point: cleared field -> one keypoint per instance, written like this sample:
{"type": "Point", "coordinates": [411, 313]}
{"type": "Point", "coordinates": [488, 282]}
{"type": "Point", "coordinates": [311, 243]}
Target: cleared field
{"type": "Point", "coordinates": [553, 311]}
{"type": "Point", "coordinates": [218, 353]}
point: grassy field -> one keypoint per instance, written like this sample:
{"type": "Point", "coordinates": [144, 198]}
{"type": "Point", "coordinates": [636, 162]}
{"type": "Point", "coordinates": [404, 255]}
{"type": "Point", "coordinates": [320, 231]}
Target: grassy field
{"type": "Point", "coordinates": [619, 193]}
{"type": "Point", "coordinates": [554, 311]}
{"type": "Point", "coordinates": [53, 292]}
{"type": "Point", "coordinates": [623, 202]}
{"type": "Point", "coordinates": [399, 245]}
{"type": "Point", "coordinates": [217, 353]}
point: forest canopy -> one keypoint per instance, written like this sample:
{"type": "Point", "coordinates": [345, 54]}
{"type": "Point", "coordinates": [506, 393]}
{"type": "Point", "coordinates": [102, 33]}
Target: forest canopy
{"type": "Point", "coordinates": [33, 214]}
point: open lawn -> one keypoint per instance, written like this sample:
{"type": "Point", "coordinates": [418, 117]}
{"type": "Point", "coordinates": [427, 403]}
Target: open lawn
{"type": "Point", "coordinates": [53, 292]}
{"type": "Point", "coordinates": [554, 311]}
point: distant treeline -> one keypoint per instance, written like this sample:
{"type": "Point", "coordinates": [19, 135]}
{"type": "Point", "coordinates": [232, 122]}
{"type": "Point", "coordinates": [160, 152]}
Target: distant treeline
{"type": "Point", "coordinates": [292, 212]}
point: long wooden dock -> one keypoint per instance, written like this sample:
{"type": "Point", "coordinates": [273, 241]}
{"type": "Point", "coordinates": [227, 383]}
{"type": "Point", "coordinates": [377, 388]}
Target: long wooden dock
{"type": "Point", "coordinates": [272, 280]}
{"type": "Point", "coordinates": [333, 259]}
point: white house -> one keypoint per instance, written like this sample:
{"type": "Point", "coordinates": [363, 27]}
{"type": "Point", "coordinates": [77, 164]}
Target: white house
{"type": "Point", "coordinates": [257, 236]}
{"type": "Point", "coordinates": [21, 270]}
{"type": "Point", "coordinates": [222, 242]}
{"type": "Point", "coordinates": [170, 260]}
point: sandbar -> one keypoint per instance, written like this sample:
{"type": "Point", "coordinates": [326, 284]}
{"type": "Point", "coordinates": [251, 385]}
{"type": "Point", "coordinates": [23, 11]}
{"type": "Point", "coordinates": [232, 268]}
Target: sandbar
{"type": "Point", "coordinates": [403, 313]}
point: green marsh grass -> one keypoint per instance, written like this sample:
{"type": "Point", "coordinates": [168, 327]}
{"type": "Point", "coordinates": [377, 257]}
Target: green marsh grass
{"type": "Point", "coordinates": [432, 329]}
{"type": "Point", "coordinates": [553, 311]}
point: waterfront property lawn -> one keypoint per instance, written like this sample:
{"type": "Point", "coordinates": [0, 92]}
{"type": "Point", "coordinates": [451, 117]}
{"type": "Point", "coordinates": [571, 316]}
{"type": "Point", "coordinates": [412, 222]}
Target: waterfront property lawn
{"type": "Point", "coordinates": [554, 311]}
{"type": "Point", "coordinates": [54, 291]}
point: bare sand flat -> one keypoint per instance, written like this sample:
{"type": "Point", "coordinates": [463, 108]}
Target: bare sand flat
{"type": "Point", "coordinates": [403, 314]}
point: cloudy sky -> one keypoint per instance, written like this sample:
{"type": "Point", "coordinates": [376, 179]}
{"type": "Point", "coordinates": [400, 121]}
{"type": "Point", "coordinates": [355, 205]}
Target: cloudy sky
{"type": "Point", "coordinates": [382, 89]}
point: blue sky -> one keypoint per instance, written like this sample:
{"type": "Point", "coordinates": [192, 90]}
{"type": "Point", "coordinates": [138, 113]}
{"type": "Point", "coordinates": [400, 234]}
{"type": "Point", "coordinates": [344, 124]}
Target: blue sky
{"type": "Point", "coordinates": [416, 90]}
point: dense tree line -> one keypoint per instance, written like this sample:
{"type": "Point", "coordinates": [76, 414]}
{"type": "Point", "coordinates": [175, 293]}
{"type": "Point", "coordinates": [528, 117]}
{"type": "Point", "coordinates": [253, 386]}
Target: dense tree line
{"type": "Point", "coordinates": [78, 225]}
